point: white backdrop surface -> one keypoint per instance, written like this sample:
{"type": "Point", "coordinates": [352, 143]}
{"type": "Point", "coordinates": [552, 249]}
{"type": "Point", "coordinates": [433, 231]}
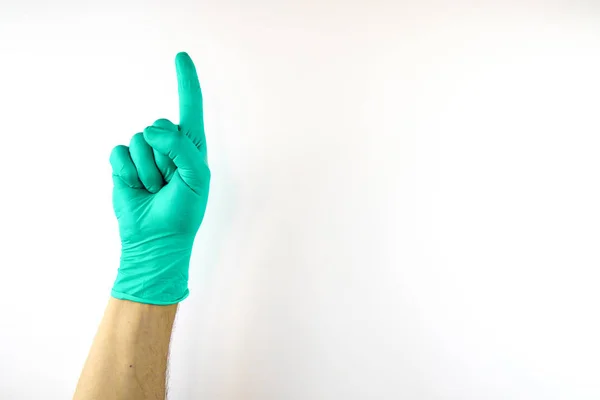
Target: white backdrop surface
{"type": "Point", "coordinates": [404, 203]}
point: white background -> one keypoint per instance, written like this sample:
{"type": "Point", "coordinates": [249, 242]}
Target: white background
{"type": "Point", "coordinates": [404, 204]}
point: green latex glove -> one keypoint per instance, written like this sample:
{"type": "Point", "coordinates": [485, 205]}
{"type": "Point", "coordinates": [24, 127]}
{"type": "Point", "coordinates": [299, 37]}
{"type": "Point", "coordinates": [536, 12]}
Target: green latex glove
{"type": "Point", "coordinates": [160, 192]}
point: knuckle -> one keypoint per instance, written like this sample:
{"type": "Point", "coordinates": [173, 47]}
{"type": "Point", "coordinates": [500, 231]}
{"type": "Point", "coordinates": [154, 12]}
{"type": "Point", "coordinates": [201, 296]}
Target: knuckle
{"type": "Point", "coordinates": [117, 149]}
{"type": "Point", "coordinates": [116, 152]}
{"type": "Point", "coordinates": [136, 139]}
{"type": "Point", "coordinates": [163, 123]}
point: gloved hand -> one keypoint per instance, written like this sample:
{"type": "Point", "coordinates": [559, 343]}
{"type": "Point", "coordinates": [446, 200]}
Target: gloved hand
{"type": "Point", "coordinates": [160, 193]}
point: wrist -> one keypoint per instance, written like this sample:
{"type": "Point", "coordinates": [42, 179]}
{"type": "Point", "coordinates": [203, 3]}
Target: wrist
{"type": "Point", "coordinates": [154, 272]}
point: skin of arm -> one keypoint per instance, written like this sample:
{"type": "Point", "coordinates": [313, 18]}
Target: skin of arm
{"type": "Point", "coordinates": [128, 359]}
{"type": "Point", "coordinates": [160, 192]}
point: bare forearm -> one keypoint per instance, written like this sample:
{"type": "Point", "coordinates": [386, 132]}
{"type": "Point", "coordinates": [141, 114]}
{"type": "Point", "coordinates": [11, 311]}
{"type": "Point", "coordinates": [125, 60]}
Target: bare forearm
{"type": "Point", "coordinates": [128, 359]}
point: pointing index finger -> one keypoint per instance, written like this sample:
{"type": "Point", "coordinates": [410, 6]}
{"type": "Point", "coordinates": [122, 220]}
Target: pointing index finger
{"type": "Point", "coordinates": [190, 99]}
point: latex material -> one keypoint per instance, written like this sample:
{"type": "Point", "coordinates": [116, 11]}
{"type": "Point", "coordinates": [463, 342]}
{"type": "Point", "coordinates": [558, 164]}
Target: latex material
{"type": "Point", "coordinates": [160, 192]}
